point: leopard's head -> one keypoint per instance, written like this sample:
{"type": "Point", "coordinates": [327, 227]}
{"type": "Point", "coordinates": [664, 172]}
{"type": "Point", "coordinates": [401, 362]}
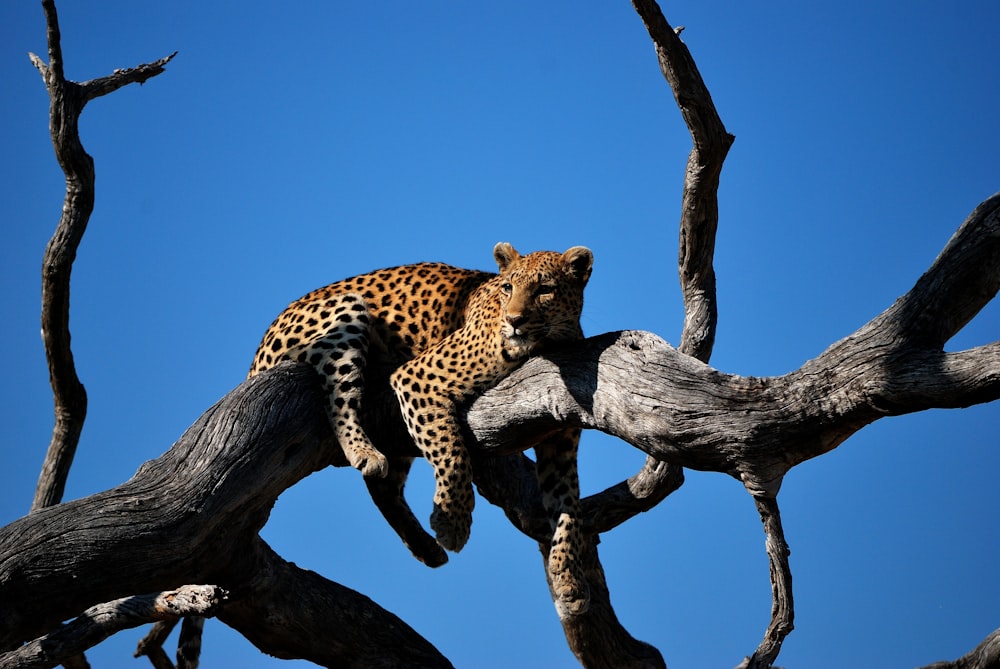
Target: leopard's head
{"type": "Point", "coordinates": [542, 296]}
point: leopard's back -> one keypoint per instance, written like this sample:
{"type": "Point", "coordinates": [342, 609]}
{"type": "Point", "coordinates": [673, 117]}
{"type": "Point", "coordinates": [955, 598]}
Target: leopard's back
{"type": "Point", "coordinates": [410, 308]}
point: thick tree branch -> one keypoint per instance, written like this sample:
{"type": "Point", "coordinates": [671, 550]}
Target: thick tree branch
{"type": "Point", "coordinates": [675, 418]}
{"type": "Point", "coordinates": [984, 656]}
{"type": "Point", "coordinates": [636, 386]}
{"type": "Point", "coordinates": [211, 493]}
{"type": "Point", "coordinates": [293, 613]}
{"type": "Point", "coordinates": [193, 515]}
{"type": "Point", "coordinates": [963, 279]}
{"type": "Point", "coordinates": [99, 622]}
{"type": "Point", "coordinates": [597, 638]}
{"type": "Point", "coordinates": [696, 249]}
{"type": "Point", "coordinates": [698, 225]}
{"type": "Point", "coordinates": [67, 100]}
{"type": "Point", "coordinates": [698, 222]}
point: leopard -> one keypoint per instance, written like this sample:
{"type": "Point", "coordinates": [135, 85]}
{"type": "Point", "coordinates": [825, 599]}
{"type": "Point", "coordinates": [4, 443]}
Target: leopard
{"type": "Point", "coordinates": [454, 333]}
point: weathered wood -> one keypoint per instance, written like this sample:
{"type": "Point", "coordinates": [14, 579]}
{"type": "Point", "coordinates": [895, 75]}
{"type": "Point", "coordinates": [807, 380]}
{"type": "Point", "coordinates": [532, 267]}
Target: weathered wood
{"type": "Point", "coordinates": [700, 202]}
{"type": "Point", "coordinates": [99, 622]}
{"type": "Point", "coordinates": [151, 645]}
{"type": "Point", "coordinates": [782, 607]}
{"type": "Point", "coordinates": [193, 516]}
{"type": "Point", "coordinates": [636, 386]}
{"type": "Point", "coordinates": [984, 656]}
{"type": "Point", "coordinates": [209, 495]}
{"type": "Point", "coordinates": [597, 638]}
{"type": "Point", "coordinates": [684, 413]}
{"type": "Point", "coordinates": [67, 99]}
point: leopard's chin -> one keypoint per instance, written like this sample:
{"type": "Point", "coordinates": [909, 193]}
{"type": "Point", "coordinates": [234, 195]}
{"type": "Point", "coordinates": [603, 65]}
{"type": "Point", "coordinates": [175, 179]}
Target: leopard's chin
{"type": "Point", "coordinates": [518, 345]}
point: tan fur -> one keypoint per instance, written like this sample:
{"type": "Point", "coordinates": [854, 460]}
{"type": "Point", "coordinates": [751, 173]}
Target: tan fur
{"type": "Point", "coordinates": [456, 333]}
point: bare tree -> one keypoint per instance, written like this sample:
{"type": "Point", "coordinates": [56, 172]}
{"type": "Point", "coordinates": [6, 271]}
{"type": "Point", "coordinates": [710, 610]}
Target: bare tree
{"type": "Point", "coordinates": [193, 515]}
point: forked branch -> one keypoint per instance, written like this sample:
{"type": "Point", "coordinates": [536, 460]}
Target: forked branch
{"type": "Point", "coordinates": [511, 484]}
{"type": "Point", "coordinates": [67, 100]}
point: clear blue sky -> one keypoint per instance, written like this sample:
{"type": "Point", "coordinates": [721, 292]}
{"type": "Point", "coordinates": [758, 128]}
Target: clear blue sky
{"type": "Point", "coordinates": [292, 144]}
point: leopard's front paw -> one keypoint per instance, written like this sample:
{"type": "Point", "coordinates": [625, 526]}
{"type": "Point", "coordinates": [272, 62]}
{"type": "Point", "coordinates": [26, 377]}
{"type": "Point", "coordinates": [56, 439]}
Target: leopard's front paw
{"type": "Point", "coordinates": [451, 528]}
{"type": "Point", "coordinates": [572, 594]}
{"type": "Point", "coordinates": [368, 460]}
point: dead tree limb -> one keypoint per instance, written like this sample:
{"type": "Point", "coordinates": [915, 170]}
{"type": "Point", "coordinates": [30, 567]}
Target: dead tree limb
{"type": "Point", "coordinates": [192, 515]}
{"type": "Point", "coordinates": [67, 99]}
{"type": "Point", "coordinates": [635, 386]}
{"type": "Point", "coordinates": [151, 645]}
{"type": "Point", "coordinates": [99, 622]}
{"type": "Point", "coordinates": [700, 204]}
{"type": "Point", "coordinates": [984, 656]}
{"type": "Point", "coordinates": [681, 412]}
{"type": "Point", "coordinates": [698, 225]}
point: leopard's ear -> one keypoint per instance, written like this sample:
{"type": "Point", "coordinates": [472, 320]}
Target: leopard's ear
{"type": "Point", "coordinates": [580, 260]}
{"type": "Point", "coordinates": [504, 254]}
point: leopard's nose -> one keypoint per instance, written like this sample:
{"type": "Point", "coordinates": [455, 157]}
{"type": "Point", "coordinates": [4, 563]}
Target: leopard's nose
{"type": "Point", "coordinates": [515, 319]}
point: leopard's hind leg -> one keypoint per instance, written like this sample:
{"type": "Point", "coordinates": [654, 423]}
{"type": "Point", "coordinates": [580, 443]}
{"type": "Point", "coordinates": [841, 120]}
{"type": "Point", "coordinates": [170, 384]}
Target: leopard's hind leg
{"type": "Point", "coordinates": [387, 493]}
{"type": "Point", "coordinates": [340, 355]}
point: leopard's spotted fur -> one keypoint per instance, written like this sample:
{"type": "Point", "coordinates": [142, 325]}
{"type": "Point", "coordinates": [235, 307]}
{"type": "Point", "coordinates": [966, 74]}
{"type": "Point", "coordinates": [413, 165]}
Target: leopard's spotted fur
{"type": "Point", "coordinates": [457, 332]}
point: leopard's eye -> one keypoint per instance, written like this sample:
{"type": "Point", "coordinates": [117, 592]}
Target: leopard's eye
{"type": "Point", "coordinates": [506, 288]}
{"type": "Point", "coordinates": [545, 289]}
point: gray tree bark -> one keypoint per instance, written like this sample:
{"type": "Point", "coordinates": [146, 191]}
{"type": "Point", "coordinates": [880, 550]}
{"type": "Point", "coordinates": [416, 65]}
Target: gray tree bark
{"type": "Point", "coordinates": [68, 99]}
{"type": "Point", "coordinates": [194, 514]}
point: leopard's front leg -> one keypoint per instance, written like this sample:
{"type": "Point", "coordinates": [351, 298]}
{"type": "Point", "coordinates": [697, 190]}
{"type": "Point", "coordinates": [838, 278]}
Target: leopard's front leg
{"type": "Point", "coordinates": [431, 418]}
{"type": "Point", "coordinates": [559, 482]}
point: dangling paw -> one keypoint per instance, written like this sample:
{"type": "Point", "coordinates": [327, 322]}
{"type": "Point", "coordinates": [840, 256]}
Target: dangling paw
{"type": "Point", "coordinates": [452, 529]}
{"type": "Point", "coordinates": [367, 459]}
{"type": "Point", "coordinates": [572, 594]}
